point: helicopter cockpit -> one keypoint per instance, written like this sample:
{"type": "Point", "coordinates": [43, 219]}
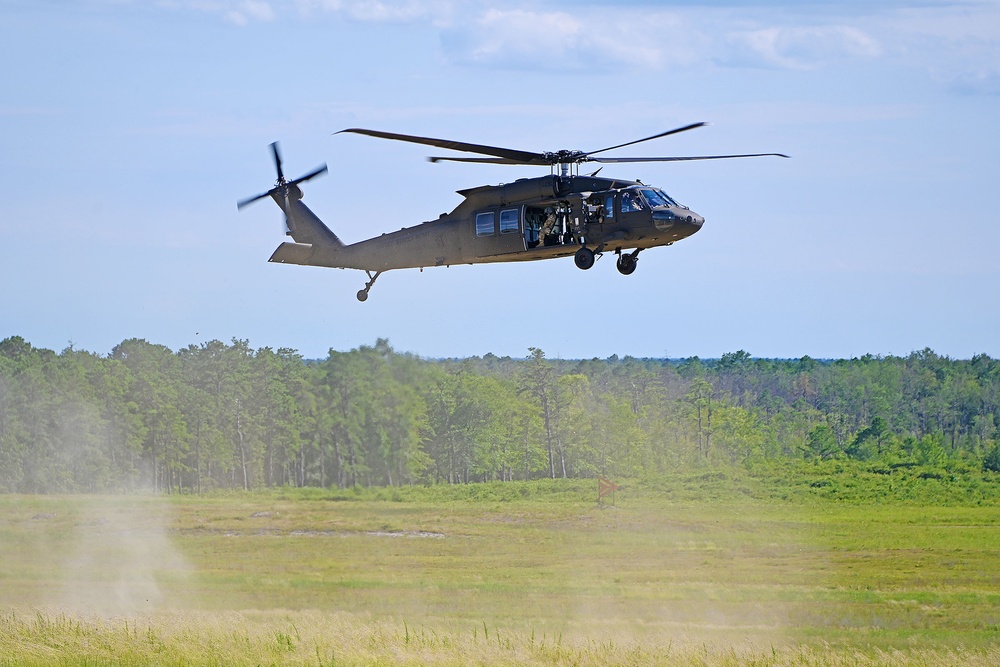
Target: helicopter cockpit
{"type": "Point", "coordinates": [666, 211]}
{"type": "Point", "coordinates": [565, 221]}
{"type": "Point", "coordinates": [657, 198]}
{"type": "Point", "coordinates": [643, 198]}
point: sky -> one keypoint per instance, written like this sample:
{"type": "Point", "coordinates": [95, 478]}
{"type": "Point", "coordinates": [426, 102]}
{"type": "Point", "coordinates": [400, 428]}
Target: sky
{"type": "Point", "coordinates": [129, 129]}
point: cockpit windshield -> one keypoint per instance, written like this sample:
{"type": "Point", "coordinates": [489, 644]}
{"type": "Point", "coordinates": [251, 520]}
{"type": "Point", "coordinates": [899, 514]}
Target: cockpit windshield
{"type": "Point", "coordinates": [657, 197]}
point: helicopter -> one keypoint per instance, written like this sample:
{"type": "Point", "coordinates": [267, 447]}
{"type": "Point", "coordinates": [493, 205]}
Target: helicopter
{"type": "Point", "coordinates": [558, 215]}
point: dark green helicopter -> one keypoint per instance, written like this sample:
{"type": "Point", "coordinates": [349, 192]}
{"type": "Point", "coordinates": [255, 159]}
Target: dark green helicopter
{"type": "Point", "coordinates": [558, 215]}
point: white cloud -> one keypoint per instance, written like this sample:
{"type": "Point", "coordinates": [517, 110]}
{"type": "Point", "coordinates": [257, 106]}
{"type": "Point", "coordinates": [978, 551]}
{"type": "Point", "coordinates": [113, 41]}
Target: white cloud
{"type": "Point", "coordinates": [514, 37]}
{"type": "Point", "coordinates": [250, 10]}
{"type": "Point", "coordinates": [794, 47]}
{"type": "Point", "coordinates": [983, 81]}
{"type": "Point", "coordinates": [959, 45]}
{"type": "Point", "coordinates": [237, 12]}
{"type": "Point", "coordinates": [583, 40]}
{"type": "Point", "coordinates": [381, 11]}
{"type": "Point", "coordinates": [956, 43]}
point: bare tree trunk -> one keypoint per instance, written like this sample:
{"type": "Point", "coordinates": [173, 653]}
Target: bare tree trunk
{"type": "Point", "coordinates": [527, 453]}
{"type": "Point", "coordinates": [197, 459]}
{"type": "Point", "coordinates": [451, 458]}
{"type": "Point", "coordinates": [701, 444]}
{"type": "Point", "coordinates": [548, 436]}
{"type": "Point", "coordinates": [562, 456]}
{"type": "Point", "coordinates": [302, 468]}
{"type": "Point", "coordinates": [243, 453]}
{"type": "Point", "coordinates": [708, 434]}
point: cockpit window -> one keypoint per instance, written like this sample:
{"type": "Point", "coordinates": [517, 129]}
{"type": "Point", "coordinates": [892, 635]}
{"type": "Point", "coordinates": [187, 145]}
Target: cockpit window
{"type": "Point", "coordinates": [631, 201]}
{"type": "Point", "coordinates": [657, 198]}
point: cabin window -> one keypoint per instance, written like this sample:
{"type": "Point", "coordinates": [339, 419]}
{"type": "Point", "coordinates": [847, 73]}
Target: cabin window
{"type": "Point", "coordinates": [609, 207]}
{"type": "Point", "coordinates": [485, 225]}
{"type": "Point", "coordinates": [510, 221]}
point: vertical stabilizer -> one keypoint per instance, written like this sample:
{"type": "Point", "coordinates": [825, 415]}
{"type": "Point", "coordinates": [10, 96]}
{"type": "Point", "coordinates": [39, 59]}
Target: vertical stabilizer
{"type": "Point", "coordinates": [303, 225]}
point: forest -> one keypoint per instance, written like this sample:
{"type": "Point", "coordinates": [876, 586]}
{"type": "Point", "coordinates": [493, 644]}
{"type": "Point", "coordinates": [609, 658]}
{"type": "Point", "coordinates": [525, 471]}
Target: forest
{"type": "Point", "coordinates": [227, 416]}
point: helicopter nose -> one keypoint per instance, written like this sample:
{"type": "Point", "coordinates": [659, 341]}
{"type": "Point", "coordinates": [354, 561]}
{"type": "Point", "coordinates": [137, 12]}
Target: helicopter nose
{"type": "Point", "coordinates": [682, 222]}
{"type": "Point", "coordinates": [691, 222]}
{"type": "Point", "coordinates": [693, 219]}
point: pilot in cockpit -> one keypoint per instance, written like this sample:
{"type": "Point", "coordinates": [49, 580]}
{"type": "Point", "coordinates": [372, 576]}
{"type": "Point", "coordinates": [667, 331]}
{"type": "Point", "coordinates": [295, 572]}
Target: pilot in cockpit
{"type": "Point", "coordinates": [631, 201]}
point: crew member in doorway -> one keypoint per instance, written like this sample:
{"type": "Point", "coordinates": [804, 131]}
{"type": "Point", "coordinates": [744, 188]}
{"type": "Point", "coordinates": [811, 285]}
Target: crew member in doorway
{"type": "Point", "coordinates": [548, 225]}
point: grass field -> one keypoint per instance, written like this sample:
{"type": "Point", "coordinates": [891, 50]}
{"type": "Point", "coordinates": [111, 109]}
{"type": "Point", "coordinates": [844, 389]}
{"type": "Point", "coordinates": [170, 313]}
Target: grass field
{"type": "Point", "coordinates": [533, 573]}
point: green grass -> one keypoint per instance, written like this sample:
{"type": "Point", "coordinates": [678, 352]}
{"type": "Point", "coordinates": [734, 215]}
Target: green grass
{"type": "Point", "coordinates": [720, 570]}
{"type": "Point", "coordinates": [337, 638]}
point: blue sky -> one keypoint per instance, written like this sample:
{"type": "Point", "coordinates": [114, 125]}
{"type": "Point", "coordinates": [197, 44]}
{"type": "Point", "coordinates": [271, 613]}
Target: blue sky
{"type": "Point", "coordinates": [130, 129]}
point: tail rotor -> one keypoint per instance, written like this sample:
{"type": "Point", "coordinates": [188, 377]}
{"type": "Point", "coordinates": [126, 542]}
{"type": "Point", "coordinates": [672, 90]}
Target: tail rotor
{"type": "Point", "coordinates": [282, 187]}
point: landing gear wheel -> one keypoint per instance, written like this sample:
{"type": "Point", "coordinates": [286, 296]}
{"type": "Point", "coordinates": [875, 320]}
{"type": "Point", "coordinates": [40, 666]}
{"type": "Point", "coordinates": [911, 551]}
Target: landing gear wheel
{"type": "Point", "coordinates": [584, 258]}
{"type": "Point", "coordinates": [372, 277]}
{"type": "Point", "coordinates": [626, 264]}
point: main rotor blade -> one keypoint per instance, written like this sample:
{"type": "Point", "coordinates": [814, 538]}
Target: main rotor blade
{"type": "Point", "coordinates": [516, 156]}
{"type": "Point", "coordinates": [477, 160]}
{"type": "Point", "coordinates": [655, 136]}
{"type": "Point", "coordinates": [612, 160]}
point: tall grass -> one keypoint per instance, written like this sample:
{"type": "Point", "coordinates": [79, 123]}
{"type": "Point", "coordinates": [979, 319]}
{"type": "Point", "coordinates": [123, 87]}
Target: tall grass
{"type": "Point", "coordinates": [317, 638]}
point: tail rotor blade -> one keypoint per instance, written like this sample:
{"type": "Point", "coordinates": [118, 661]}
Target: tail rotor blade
{"type": "Point", "coordinates": [249, 200]}
{"type": "Point", "coordinates": [311, 175]}
{"type": "Point", "coordinates": [277, 161]}
{"type": "Point", "coordinates": [282, 186]}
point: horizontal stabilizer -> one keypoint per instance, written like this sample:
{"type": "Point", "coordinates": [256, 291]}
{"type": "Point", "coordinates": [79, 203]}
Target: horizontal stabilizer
{"type": "Point", "coordinates": [293, 253]}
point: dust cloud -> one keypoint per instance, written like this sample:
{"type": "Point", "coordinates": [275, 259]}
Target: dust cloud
{"type": "Point", "coordinates": [689, 579]}
{"type": "Point", "coordinates": [118, 558]}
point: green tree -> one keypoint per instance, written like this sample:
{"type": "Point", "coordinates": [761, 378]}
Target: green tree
{"type": "Point", "coordinates": [699, 396]}
{"type": "Point", "coordinates": [991, 462]}
{"type": "Point", "coordinates": [538, 381]}
{"type": "Point", "coordinates": [153, 395]}
{"type": "Point", "coordinates": [821, 442]}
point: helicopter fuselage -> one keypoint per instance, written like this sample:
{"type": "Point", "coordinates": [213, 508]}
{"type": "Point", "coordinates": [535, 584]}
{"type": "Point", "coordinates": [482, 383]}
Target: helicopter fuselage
{"type": "Point", "coordinates": [557, 215]}
{"type": "Point", "coordinates": [529, 219]}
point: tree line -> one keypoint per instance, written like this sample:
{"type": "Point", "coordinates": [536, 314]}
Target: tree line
{"type": "Point", "coordinates": [227, 416]}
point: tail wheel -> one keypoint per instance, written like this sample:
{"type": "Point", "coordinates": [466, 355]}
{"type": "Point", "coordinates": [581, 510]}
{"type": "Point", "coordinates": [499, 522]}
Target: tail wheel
{"type": "Point", "coordinates": [372, 277]}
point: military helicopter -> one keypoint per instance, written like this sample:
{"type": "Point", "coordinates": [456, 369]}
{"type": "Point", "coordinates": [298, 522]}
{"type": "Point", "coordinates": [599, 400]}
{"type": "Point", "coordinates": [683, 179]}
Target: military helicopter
{"type": "Point", "coordinates": [558, 215]}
